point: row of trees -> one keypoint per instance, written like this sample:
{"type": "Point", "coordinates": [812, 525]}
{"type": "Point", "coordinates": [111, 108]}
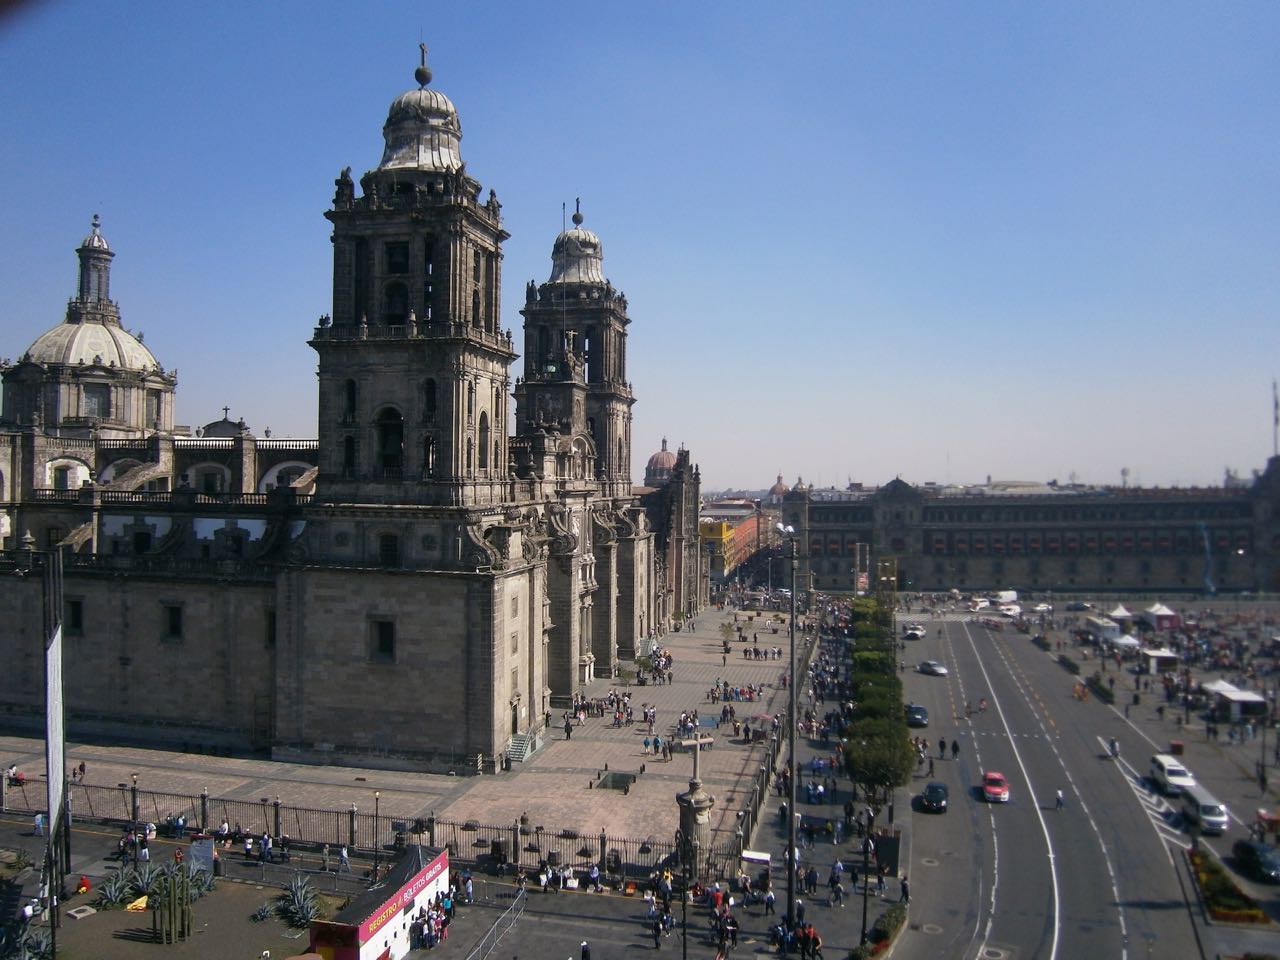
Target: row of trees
{"type": "Point", "coordinates": [878, 753]}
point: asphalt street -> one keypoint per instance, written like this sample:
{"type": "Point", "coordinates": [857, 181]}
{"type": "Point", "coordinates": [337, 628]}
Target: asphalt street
{"type": "Point", "coordinates": [1101, 876]}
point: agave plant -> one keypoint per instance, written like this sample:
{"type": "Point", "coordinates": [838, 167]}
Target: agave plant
{"type": "Point", "coordinates": [201, 881]}
{"type": "Point", "coordinates": [262, 914]}
{"type": "Point", "coordinates": [297, 906]}
{"type": "Point", "coordinates": [116, 890]}
{"type": "Point", "coordinates": [147, 879]}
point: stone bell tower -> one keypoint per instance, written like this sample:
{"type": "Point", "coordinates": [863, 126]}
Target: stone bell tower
{"type": "Point", "coordinates": [579, 318]}
{"type": "Point", "coordinates": [413, 366]}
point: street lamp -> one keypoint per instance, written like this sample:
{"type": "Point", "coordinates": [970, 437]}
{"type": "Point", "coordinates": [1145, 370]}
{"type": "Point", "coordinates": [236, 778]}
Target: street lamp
{"type": "Point", "coordinates": [134, 799]}
{"type": "Point", "coordinates": [790, 533]}
{"type": "Point", "coordinates": [687, 849]}
{"type": "Point", "coordinates": [377, 847]}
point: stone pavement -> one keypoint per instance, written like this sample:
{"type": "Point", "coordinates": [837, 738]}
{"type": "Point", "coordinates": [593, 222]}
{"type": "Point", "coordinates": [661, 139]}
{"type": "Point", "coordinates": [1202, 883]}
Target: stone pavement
{"type": "Point", "coordinates": [552, 787]}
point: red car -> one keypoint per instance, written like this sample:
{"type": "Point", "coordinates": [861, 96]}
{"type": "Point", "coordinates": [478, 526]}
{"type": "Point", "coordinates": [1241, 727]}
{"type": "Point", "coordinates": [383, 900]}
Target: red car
{"type": "Point", "coordinates": [995, 788]}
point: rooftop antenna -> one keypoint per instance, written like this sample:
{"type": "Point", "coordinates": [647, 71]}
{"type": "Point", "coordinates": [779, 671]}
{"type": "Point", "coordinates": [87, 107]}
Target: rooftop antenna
{"type": "Point", "coordinates": [1124, 478]}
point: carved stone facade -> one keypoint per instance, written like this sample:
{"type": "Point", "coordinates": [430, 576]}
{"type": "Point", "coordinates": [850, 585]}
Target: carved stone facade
{"type": "Point", "coordinates": [415, 587]}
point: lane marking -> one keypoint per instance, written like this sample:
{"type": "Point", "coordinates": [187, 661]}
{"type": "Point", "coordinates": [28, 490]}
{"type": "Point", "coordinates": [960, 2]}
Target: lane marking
{"type": "Point", "coordinates": [1044, 827]}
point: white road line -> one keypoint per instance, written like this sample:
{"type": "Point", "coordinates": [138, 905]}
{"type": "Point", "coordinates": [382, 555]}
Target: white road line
{"type": "Point", "coordinates": [1044, 827]}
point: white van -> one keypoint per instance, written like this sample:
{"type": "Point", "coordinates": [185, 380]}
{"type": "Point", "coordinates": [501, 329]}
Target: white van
{"type": "Point", "coordinates": [1202, 809]}
{"type": "Point", "coordinates": [1169, 775]}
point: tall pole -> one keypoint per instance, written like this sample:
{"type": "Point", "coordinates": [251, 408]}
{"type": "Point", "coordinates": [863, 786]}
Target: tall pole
{"type": "Point", "coordinates": [793, 723]}
{"type": "Point", "coordinates": [377, 847]}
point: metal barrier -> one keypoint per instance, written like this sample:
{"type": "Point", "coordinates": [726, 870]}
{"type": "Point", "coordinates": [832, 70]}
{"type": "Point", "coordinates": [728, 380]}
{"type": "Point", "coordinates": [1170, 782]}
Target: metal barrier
{"type": "Point", "coordinates": [510, 917]}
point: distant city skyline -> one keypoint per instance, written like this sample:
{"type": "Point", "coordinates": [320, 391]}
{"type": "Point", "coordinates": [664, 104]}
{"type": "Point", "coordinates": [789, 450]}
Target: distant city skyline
{"type": "Point", "coordinates": [858, 241]}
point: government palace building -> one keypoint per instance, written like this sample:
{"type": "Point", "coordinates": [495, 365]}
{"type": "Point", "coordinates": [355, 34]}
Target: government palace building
{"type": "Point", "coordinates": [1039, 537]}
{"type": "Point", "coordinates": [416, 586]}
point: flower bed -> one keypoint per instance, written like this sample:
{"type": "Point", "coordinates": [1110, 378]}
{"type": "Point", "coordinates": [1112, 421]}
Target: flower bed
{"type": "Point", "coordinates": [1224, 901]}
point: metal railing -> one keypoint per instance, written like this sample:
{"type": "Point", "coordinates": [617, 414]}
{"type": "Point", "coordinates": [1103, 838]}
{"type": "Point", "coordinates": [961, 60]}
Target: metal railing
{"type": "Point", "coordinates": [510, 917]}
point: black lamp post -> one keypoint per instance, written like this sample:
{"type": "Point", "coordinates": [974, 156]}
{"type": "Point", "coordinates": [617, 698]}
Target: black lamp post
{"type": "Point", "coordinates": [682, 849]}
{"type": "Point", "coordinates": [792, 726]}
{"type": "Point", "coordinates": [377, 847]}
{"type": "Point", "coordinates": [133, 799]}
{"type": "Point", "coordinates": [866, 869]}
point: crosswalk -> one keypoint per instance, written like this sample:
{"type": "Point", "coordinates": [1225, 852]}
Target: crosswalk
{"type": "Point", "coordinates": [1164, 818]}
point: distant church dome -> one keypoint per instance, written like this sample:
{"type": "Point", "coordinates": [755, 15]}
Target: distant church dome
{"type": "Point", "coordinates": [779, 489]}
{"type": "Point", "coordinates": [422, 131]}
{"type": "Point", "coordinates": [91, 333]}
{"type": "Point", "coordinates": [660, 467]}
{"type": "Point", "coordinates": [577, 257]}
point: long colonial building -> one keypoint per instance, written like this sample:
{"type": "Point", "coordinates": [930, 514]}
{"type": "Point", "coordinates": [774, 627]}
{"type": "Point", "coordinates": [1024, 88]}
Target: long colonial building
{"type": "Point", "coordinates": [414, 586]}
{"type": "Point", "coordinates": [1042, 537]}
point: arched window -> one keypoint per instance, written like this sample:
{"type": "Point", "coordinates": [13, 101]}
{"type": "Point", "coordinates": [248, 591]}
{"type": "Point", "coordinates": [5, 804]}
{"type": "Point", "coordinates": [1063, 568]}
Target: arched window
{"type": "Point", "coordinates": [544, 346]}
{"type": "Point", "coordinates": [349, 401]}
{"type": "Point", "coordinates": [475, 308]}
{"type": "Point", "coordinates": [429, 458]}
{"type": "Point", "coordinates": [471, 401]}
{"type": "Point", "coordinates": [390, 444]}
{"type": "Point", "coordinates": [484, 441]}
{"type": "Point", "coordinates": [471, 453]}
{"type": "Point", "coordinates": [395, 304]}
{"type": "Point", "coordinates": [349, 457]}
{"type": "Point", "coordinates": [430, 401]}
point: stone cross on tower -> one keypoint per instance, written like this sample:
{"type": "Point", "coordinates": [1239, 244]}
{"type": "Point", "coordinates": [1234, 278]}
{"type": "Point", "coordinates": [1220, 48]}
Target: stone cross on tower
{"type": "Point", "coordinates": [695, 805]}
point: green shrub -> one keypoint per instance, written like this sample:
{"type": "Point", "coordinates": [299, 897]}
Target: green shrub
{"type": "Point", "coordinates": [1068, 663]}
{"type": "Point", "coordinates": [298, 906]}
{"type": "Point", "coordinates": [1040, 641]}
{"type": "Point", "coordinates": [1100, 689]}
{"type": "Point", "coordinates": [115, 891]}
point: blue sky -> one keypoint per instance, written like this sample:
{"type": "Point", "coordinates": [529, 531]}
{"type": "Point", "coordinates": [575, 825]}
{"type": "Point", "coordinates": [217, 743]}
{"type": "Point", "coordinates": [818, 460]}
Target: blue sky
{"type": "Point", "coordinates": [859, 241]}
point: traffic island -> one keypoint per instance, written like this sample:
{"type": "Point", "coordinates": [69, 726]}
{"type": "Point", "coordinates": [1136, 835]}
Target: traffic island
{"type": "Point", "coordinates": [882, 933]}
{"type": "Point", "coordinates": [1223, 900]}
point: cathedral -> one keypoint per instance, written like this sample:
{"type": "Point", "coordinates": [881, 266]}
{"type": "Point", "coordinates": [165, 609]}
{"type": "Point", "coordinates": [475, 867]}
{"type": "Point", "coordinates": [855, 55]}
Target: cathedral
{"type": "Point", "coordinates": [416, 586]}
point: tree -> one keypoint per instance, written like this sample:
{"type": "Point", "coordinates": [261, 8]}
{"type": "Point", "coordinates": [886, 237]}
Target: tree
{"type": "Point", "coordinates": [878, 757]}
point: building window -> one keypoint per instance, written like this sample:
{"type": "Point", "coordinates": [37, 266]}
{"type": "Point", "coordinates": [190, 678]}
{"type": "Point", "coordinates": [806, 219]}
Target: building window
{"type": "Point", "coordinates": [391, 444]}
{"type": "Point", "coordinates": [53, 536]}
{"type": "Point", "coordinates": [173, 621]}
{"type": "Point", "coordinates": [73, 621]}
{"type": "Point", "coordinates": [515, 643]}
{"type": "Point", "coordinates": [154, 408]}
{"type": "Point", "coordinates": [349, 457]}
{"type": "Point", "coordinates": [349, 401]}
{"type": "Point", "coordinates": [271, 629]}
{"type": "Point", "coordinates": [484, 441]}
{"type": "Point", "coordinates": [429, 457]}
{"type": "Point", "coordinates": [395, 304]}
{"type": "Point", "coordinates": [515, 608]}
{"type": "Point", "coordinates": [389, 550]}
{"type": "Point", "coordinates": [397, 258]}
{"type": "Point", "coordinates": [430, 401]}
{"type": "Point", "coordinates": [62, 478]}
{"type": "Point", "coordinates": [383, 641]}
{"type": "Point", "coordinates": [97, 400]}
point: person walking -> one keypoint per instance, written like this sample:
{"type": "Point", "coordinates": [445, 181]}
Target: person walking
{"type": "Point", "coordinates": [344, 860]}
{"type": "Point", "coordinates": [906, 891]}
{"type": "Point", "coordinates": [955, 749]}
{"type": "Point", "coordinates": [586, 951]}
{"type": "Point", "coordinates": [1059, 803]}
{"type": "Point", "coordinates": [324, 859]}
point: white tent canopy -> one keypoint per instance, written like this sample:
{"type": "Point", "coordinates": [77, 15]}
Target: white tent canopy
{"type": "Point", "coordinates": [1128, 641]}
{"type": "Point", "coordinates": [1160, 610]}
{"type": "Point", "coordinates": [1120, 613]}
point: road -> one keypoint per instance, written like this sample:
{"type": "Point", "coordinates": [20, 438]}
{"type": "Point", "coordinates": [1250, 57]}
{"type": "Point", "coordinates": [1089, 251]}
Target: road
{"type": "Point", "coordinates": [1097, 877]}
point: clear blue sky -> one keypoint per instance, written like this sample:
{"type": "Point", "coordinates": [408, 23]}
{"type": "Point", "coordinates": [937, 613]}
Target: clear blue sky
{"type": "Point", "coordinates": [941, 241]}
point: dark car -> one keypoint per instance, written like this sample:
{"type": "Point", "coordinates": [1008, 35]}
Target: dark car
{"type": "Point", "coordinates": [1258, 860]}
{"type": "Point", "coordinates": [935, 796]}
{"type": "Point", "coordinates": [917, 716]}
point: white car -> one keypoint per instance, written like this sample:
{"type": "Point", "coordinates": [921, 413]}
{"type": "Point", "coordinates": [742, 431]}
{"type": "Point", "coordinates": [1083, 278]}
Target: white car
{"type": "Point", "coordinates": [1043, 608]}
{"type": "Point", "coordinates": [932, 668]}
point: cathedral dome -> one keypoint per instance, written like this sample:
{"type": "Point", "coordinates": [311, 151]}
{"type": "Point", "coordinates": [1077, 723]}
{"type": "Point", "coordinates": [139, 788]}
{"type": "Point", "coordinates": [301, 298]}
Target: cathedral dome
{"type": "Point", "coordinates": [660, 466]}
{"type": "Point", "coordinates": [82, 343]}
{"type": "Point", "coordinates": [422, 131]}
{"type": "Point", "coordinates": [779, 489]}
{"type": "Point", "coordinates": [578, 257]}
